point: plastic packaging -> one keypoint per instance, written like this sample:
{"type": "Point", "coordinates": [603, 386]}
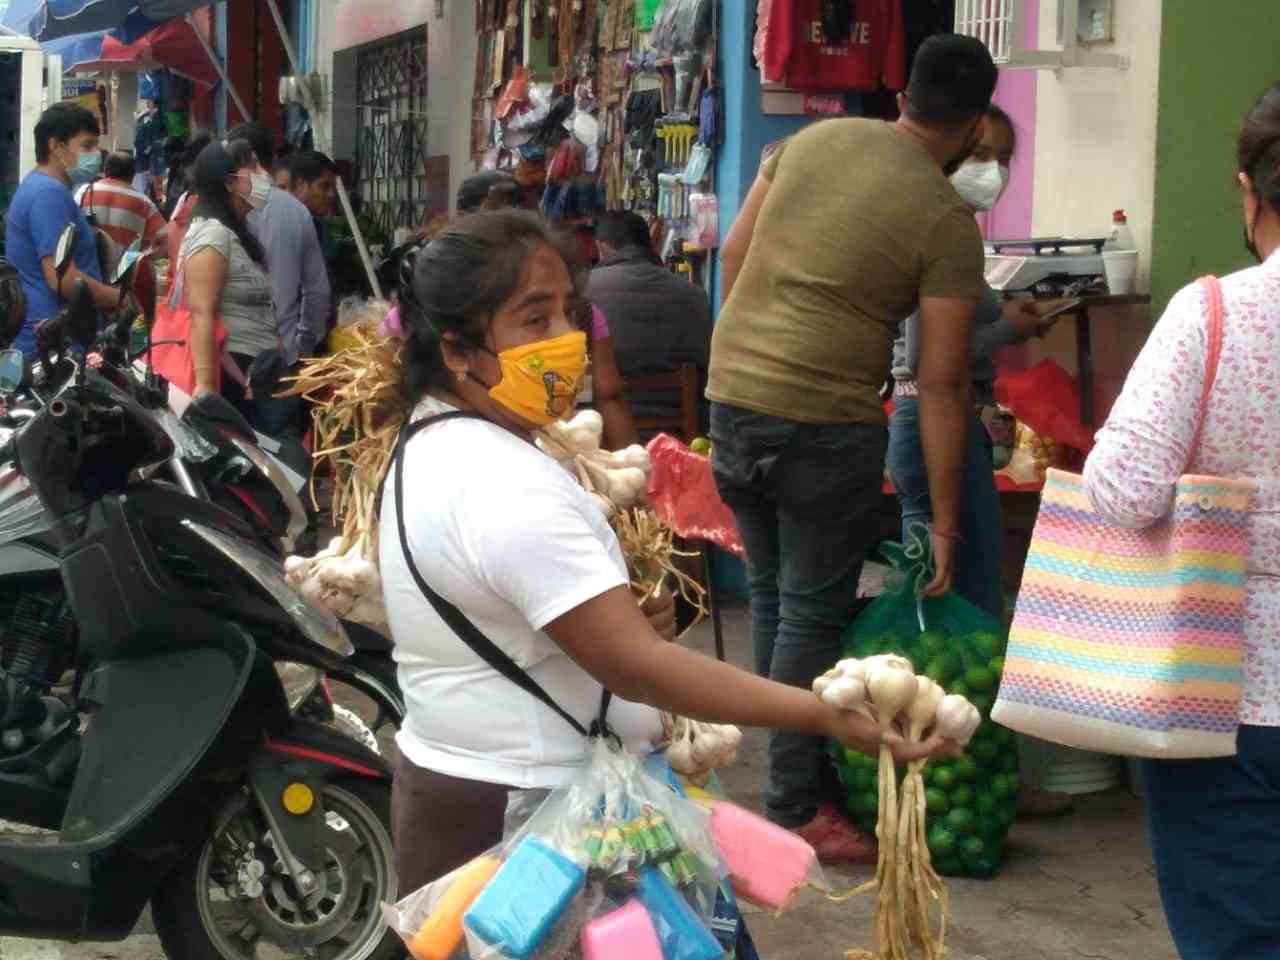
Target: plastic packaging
{"type": "Point", "coordinates": [706, 217]}
{"type": "Point", "coordinates": [430, 919]}
{"type": "Point", "coordinates": [626, 932]}
{"type": "Point", "coordinates": [681, 933]}
{"type": "Point", "coordinates": [767, 864]}
{"type": "Point", "coordinates": [517, 909]}
{"type": "Point", "coordinates": [1047, 399]}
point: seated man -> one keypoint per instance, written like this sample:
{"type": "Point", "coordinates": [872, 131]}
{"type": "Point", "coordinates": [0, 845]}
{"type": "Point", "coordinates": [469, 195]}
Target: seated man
{"type": "Point", "coordinates": [658, 320]}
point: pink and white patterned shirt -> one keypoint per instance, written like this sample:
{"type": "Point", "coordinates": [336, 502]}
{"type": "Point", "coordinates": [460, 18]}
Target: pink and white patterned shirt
{"type": "Point", "coordinates": [1145, 444]}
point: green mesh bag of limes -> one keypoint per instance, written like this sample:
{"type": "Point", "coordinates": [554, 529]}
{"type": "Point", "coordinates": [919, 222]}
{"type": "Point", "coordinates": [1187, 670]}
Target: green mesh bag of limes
{"type": "Point", "coordinates": [971, 801]}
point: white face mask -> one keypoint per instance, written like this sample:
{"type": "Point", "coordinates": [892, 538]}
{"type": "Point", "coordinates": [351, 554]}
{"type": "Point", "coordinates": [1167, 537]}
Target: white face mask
{"type": "Point", "coordinates": [259, 190]}
{"type": "Point", "coordinates": [981, 184]}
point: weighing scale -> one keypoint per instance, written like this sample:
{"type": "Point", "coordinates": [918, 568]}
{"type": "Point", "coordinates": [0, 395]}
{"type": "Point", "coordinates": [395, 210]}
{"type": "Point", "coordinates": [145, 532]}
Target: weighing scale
{"type": "Point", "coordinates": [1047, 267]}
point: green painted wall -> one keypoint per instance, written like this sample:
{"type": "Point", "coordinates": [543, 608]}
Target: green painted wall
{"type": "Point", "coordinates": [1215, 61]}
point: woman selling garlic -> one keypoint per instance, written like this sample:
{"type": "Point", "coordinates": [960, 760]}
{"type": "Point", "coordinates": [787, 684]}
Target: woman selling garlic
{"type": "Point", "coordinates": [517, 552]}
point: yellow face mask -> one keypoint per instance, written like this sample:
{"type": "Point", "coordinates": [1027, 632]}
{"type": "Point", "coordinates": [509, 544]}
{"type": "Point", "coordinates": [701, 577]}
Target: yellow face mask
{"type": "Point", "coordinates": [541, 381]}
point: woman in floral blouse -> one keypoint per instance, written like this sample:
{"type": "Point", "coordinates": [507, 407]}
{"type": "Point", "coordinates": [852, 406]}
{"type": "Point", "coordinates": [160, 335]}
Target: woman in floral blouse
{"type": "Point", "coordinates": [1216, 823]}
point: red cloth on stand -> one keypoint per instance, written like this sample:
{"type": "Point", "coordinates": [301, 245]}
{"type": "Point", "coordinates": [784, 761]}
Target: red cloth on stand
{"type": "Point", "coordinates": [683, 493]}
{"type": "Point", "coordinates": [875, 49]}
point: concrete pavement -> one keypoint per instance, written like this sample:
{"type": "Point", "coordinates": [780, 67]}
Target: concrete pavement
{"type": "Point", "coordinates": [1081, 888]}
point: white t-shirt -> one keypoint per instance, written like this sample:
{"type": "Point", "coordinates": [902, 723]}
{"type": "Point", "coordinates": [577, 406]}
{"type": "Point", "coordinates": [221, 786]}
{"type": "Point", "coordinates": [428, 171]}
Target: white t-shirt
{"type": "Point", "coordinates": [505, 534]}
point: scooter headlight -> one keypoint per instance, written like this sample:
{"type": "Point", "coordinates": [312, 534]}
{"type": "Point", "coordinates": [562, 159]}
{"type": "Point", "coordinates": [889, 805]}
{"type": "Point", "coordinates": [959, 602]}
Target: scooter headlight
{"type": "Point", "coordinates": [316, 622]}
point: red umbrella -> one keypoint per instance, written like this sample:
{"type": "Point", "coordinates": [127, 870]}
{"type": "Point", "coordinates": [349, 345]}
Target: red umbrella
{"type": "Point", "coordinates": [173, 45]}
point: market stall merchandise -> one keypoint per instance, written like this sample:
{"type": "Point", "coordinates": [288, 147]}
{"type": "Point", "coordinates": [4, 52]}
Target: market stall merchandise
{"type": "Point", "coordinates": [617, 864]}
{"type": "Point", "coordinates": [911, 897]}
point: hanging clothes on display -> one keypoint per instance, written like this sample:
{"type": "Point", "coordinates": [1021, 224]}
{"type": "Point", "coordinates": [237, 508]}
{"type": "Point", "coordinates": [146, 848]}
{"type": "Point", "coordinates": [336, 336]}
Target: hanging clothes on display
{"type": "Point", "coordinates": [832, 46]}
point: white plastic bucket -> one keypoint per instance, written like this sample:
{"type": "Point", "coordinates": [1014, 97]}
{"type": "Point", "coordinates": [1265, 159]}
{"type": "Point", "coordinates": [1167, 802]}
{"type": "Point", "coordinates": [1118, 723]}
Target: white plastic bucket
{"type": "Point", "coordinates": [1078, 771]}
{"type": "Point", "coordinates": [1121, 268]}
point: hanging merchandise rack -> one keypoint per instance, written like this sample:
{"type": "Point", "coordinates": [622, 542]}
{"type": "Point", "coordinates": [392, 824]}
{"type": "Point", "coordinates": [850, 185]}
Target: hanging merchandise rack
{"type": "Point", "coordinates": [597, 105]}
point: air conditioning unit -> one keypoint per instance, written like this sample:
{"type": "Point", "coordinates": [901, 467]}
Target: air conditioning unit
{"type": "Point", "coordinates": [1001, 25]}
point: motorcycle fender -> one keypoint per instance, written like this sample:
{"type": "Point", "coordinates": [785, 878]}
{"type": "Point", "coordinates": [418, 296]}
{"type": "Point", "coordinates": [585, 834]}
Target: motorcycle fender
{"type": "Point", "coordinates": [151, 720]}
{"type": "Point", "coordinates": [308, 756]}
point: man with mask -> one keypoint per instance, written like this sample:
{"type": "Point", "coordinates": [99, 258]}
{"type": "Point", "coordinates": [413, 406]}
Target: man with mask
{"type": "Point", "coordinates": [66, 140]}
{"type": "Point", "coordinates": [850, 226]}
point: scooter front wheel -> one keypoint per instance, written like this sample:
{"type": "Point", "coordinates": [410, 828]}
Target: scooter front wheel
{"type": "Point", "coordinates": [234, 900]}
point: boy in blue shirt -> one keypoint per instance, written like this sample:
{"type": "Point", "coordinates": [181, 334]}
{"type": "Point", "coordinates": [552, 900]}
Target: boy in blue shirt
{"type": "Point", "coordinates": [66, 140]}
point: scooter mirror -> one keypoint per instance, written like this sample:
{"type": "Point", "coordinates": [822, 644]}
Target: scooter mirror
{"type": "Point", "coordinates": [13, 369]}
{"type": "Point", "coordinates": [128, 260]}
{"type": "Point", "coordinates": [63, 251]}
{"type": "Point", "coordinates": [83, 319]}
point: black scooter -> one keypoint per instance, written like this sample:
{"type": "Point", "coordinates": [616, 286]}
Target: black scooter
{"type": "Point", "coordinates": [179, 777]}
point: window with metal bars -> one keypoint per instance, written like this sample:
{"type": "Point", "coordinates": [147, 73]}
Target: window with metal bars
{"type": "Point", "coordinates": [990, 21]}
{"type": "Point", "coordinates": [391, 135]}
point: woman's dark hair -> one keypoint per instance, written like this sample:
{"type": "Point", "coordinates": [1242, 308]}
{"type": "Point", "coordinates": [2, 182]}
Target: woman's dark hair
{"type": "Point", "coordinates": [998, 114]}
{"type": "Point", "coordinates": [461, 279]}
{"type": "Point", "coordinates": [212, 168]}
{"type": "Point", "coordinates": [1258, 148]}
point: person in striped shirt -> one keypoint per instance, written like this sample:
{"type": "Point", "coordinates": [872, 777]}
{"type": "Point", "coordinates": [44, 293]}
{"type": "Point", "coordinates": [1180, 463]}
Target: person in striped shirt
{"type": "Point", "coordinates": [121, 212]}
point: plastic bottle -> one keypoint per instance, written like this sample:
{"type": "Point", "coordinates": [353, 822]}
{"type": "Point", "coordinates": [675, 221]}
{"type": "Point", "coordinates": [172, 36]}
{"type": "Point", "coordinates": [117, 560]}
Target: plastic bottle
{"type": "Point", "coordinates": [1121, 237]}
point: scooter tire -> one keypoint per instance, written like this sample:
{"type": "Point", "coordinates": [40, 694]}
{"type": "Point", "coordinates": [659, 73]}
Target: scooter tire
{"type": "Point", "coordinates": [176, 912]}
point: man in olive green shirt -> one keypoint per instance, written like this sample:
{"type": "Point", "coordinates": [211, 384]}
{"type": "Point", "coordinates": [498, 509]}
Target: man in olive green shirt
{"type": "Point", "coordinates": [851, 226]}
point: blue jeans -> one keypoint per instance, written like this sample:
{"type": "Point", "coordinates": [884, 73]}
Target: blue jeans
{"type": "Point", "coordinates": [1217, 848]}
{"type": "Point", "coordinates": [805, 497]}
{"type": "Point", "coordinates": [980, 554]}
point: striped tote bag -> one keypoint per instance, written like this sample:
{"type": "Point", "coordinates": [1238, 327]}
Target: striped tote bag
{"type": "Point", "coordinates": [1129, 641]}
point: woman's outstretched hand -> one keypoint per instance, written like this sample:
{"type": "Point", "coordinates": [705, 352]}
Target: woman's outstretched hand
{"type": "Point", "coordinates": [859, 732]}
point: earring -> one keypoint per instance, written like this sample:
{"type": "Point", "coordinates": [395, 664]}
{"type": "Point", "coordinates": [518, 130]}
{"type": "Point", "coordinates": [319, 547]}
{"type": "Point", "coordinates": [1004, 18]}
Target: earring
{"type": "Point", "coordinates": [462, 377]}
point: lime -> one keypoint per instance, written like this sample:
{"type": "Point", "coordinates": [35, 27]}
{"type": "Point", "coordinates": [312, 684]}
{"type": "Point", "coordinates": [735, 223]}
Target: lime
{"type": "Point", "coordinates": [935, 801]}
{"type": "Point", "coordinates": [965, 768]}
{"type": "Point", "coordinates": [986, 806]}
{"type": "Point", "coordinates": [944, 778]}
{"type": "Point", "coordinates": [961, 795]}
{"type": "Point", "coordinates": [987, 643]}
{"type": "Point", "coordinates": [979, 679]}
{"type": "Point", "coordinates": [984, 751]}
{"type": "Point", "coordinates": [1000, 786]}
{"type": "Point", "coordinates": [942, 842]}
{"type": "Point", "coordinates": [932, 643]}
{"type": "Point", "coordinates": [1009, 761]}
{"type": "Point", "coordinates": [943, 668]}
{"type": "Point", "coordinates": [701, 446]}
{"type": "Point", "coordinates": [984, 702]}
{"type": "Point", "coordinates": [948, 866]}
{"type": "Point", "coordinates": [972, 848]}
{"type": "Point", "coordinates": [1003, 736]}
{"type": "Point", "coordinates": [853, 759]}
{"type": "Point", "coordinates": [996, 666]}
{"type": "Point", "coordinates": [864, 779]}
{"type": "Point", "coordinates": [961, 820]}
{"type": "Point", "coordinates": [1015, 782]}
{"type": "Point", "coordinates": [1007, 814]}
{"type": "Point", "coordinates": [958, 688]}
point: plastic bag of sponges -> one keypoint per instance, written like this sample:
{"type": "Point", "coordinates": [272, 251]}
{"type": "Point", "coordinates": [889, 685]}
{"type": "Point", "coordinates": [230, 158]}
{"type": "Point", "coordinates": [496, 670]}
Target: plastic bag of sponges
{"type": "Point", "coordinates": [614, 865]}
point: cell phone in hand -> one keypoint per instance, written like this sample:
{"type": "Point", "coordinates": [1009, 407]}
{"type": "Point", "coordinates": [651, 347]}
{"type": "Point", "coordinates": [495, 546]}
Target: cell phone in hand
{"type": "Point", "coordinates": [1068, 307]}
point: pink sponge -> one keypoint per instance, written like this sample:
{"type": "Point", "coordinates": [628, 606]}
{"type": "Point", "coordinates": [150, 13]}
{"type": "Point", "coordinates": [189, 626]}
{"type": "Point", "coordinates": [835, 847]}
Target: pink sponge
{"type": "Point", "coordinates": [627, 932]}
{"type": "Point", "coordinates": [765, 862]}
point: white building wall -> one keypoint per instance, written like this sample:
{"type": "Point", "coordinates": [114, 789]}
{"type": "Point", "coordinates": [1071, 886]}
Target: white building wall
{"type": "Point", "coordinates": [451, 41]}
{"type": "Point", "coordinates": [1096, 133]}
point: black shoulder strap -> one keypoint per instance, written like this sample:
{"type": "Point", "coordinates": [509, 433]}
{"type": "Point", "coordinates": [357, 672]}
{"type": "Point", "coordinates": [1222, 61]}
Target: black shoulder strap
{"type": "Point", "coordinates": [468, 632]}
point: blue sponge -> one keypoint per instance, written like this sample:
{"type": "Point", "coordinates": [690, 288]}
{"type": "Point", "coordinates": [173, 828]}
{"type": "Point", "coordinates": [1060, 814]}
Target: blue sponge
{"type": "Point", "coordinates": [526, 897]}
